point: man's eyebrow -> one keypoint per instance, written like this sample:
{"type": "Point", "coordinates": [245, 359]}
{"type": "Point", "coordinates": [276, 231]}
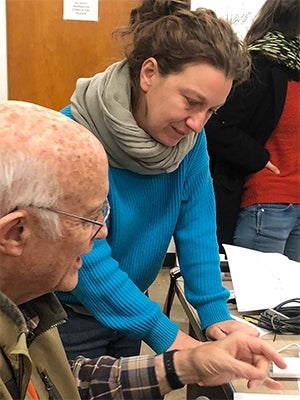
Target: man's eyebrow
{"type": "Point", "coordinates": [97, 209]}
{"type": "Point", "coordinates": [94, 211]}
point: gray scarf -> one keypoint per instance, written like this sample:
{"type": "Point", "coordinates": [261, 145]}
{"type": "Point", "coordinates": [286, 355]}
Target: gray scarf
{"type": "Point", "coordinates": [103, 105]}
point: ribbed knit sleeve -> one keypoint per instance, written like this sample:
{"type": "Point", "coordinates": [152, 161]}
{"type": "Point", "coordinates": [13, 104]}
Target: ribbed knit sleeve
{"type": "Point", "coordinates": [112, 297]}
{"type": "Point", "coordinates": [196, 243]}
{"type": "Point", "coordinates": [104, 287]}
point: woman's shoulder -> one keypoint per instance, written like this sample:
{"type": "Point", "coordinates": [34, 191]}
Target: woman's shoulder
{"type": "Point", "coordinates": [67, 111]}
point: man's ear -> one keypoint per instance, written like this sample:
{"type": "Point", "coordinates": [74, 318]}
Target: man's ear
{"type": "Point", "coordinates": [148, 71]}
{"type": "Point", "coordinates": [12, 235]}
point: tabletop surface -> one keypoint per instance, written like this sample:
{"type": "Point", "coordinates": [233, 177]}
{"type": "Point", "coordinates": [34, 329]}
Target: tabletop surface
{"type": "Point", "coordinates": [289, 386]}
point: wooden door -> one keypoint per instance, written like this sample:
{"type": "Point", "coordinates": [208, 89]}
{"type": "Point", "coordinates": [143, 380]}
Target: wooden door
{"type": "Point", "coordinates": [46, 54]}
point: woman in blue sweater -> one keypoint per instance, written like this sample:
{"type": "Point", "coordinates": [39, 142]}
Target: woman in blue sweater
{"type": "Point", "coordinates": [149, 111]}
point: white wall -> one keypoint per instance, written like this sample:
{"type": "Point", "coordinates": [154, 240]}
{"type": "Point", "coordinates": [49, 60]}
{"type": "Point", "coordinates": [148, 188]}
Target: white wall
{"type": "Point", "coordinates": [239, 12]}
{"type": "Point", "coordinates": [3, 53]}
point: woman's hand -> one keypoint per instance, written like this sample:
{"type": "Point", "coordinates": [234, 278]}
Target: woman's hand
{"type": "Point", "coordinates": [184, 341]}
{"type": "Point", "coordinates": [272, 168]}
{"type": "Point", "coordinates": [224, 328]}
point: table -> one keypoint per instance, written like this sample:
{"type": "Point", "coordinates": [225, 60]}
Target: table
{"type": "Point", "coordinates": [225, 392]}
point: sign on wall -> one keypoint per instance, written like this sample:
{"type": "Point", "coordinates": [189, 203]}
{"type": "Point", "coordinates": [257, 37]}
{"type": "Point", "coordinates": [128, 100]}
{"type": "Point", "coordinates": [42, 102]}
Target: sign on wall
{"type": "Point", "coordinates": [81, 10]}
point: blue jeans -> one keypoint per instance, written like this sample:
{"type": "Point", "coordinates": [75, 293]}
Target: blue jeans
{"type": "Point", "coordinates": [84, 335]}
{"type": "Point", "coordinates": [271, 228]}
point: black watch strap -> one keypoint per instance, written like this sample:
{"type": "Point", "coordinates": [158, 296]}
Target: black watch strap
{"type": "Point", "coordinates": [171, 375]}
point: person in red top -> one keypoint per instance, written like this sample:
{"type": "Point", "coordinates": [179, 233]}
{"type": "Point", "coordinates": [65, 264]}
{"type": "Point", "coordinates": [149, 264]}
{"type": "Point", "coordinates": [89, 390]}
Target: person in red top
{"type": "Point", "coordinates": [254, 140]}
{"type": "Point", "coordinates": [269, 219]}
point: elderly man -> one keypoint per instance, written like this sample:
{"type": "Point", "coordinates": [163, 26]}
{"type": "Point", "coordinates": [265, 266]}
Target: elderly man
{"type": "Point", "coordinates": [53, 188]}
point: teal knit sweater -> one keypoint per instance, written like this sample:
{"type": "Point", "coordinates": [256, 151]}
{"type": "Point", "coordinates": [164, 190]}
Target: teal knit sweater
{"type": "Point", "coordinates": [146, 210]}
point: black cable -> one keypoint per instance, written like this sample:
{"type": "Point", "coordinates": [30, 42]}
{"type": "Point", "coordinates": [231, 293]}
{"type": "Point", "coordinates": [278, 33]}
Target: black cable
{"type": "Point", "coordinates": [282, 319]}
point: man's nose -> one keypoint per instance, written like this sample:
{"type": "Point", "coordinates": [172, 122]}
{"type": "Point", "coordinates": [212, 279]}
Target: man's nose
{"type": "Point", "coordinates": [102, 233]}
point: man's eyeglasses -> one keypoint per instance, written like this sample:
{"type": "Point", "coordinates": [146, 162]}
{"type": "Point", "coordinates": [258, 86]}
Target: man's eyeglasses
{"type": "Point", "coordinates": [105, 210]}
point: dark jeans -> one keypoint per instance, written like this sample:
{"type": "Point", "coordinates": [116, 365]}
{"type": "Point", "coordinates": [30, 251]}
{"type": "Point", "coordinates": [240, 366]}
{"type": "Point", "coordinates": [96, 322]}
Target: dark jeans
{"type": "Point", "coordinates": [84, 335]}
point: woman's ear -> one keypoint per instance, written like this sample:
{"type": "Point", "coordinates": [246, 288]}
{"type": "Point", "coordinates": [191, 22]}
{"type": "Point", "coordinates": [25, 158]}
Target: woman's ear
{"type": "Point", "coordinates": [12, 235]}
{"type": "Point", "coordinates": [149, 70]}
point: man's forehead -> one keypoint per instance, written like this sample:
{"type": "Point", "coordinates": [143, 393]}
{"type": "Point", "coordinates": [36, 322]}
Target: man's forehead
{"type": "Point", "coordinates": [46, 133]}
{"type": "Point", "coordinates": [23, 120]}
{"type": "Point", "coordinates": [52, 137]}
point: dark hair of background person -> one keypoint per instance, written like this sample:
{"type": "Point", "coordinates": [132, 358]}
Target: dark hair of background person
{"type": "Point", "coordinates": [275, 15]}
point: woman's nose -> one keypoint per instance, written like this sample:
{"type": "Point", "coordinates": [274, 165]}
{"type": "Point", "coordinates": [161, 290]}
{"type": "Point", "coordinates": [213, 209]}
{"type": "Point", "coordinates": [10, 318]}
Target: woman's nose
{"type": "Point", "coordinates": [197, 121]}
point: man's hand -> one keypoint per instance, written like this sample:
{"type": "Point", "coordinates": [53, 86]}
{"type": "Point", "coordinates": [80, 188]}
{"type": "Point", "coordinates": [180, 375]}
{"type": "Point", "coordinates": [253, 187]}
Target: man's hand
{"type": "Point", "coordinates": [224, 328]}
{"type": "Point", "coordinates": [236, 356]}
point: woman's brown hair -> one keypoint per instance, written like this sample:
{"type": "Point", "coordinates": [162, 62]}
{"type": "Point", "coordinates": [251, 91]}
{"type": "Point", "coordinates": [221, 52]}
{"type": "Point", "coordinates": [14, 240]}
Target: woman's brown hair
{"type": "Point", "coordinates": [176, 36]}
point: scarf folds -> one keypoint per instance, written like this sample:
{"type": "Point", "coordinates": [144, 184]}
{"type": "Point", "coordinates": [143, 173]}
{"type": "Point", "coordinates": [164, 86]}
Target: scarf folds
{"type": "Point", "coordinates": [103, 105]}
{"type": "Point", "coordinates": [277, 47]}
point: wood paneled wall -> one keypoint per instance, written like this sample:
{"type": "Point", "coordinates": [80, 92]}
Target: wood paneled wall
{"type": "Point", "coordinates": [46, 54]}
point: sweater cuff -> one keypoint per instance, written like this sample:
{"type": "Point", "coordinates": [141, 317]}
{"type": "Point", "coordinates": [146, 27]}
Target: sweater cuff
{"type": "Point", "coordinates": [162, 334]}
{"type": "Point", "coordinates": [212, 313]}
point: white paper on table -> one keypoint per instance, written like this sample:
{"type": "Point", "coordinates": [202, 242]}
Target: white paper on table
{"type": "Point", "coordinates": [261, 280]}
{"type": "Point", "coordinates": [261, 331]}
{"type": "Point", "coordinates": [257, 396]}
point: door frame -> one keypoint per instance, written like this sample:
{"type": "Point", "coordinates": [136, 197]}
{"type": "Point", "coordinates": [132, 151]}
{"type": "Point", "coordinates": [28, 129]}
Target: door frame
{"type": "Point", "coordinates": [3, 53]}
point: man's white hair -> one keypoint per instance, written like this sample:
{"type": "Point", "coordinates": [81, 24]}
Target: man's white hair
{"type": "Point", "coordinates": [28, 182]}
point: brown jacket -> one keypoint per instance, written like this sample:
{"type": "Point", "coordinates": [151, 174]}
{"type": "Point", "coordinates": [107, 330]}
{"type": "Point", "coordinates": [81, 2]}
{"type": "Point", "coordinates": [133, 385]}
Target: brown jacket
{"type": "Point", "coordinates": [39, 356]}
